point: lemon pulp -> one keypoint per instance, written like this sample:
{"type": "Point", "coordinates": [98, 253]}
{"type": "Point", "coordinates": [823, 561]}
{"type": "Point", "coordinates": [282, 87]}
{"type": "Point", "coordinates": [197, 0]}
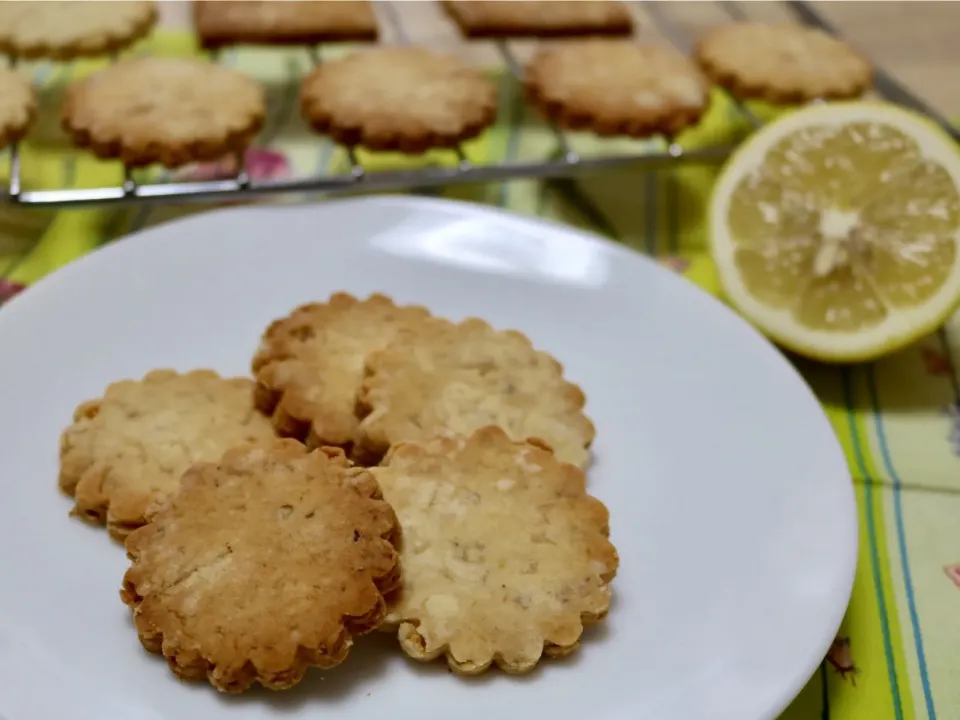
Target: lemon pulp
{"type": "Point", "coordinates": [841, 225]}
{"type": "Point", "coordinates": [835, 229]}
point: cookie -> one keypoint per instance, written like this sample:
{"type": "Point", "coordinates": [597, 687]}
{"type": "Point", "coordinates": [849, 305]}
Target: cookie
{"type": "Point", "coordinates": [167, 110]}
{"type": "Point", "coordinates": [408, 99]}
{"type": "Point", "coordinates": [491, 19]}
{"type": "Point", "coordinates": [616, 88]}
{"type": "Point", "coordinates": [70, 30]}
{"type": "Point", "coordinates": [309, 365]}
{"type": "Point", "coordinates": [125, 452]}
{"type": "Point", "coordinates": [505, 557]}
{"type": "Point", "coordinates": [18, 106]}
{"type": "Point", "coordinates": [262, 565]}
{"type": "Point", "coordinates": [443, 378]}
{"type": "Point", "coordinates": [268, 22]}
{"type": "Point", "coordinates": [782, 63]}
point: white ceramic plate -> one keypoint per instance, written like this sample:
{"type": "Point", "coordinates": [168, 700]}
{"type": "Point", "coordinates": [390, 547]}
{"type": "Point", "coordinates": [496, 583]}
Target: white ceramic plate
{"type": "Point", "coordinates": [731, 502]}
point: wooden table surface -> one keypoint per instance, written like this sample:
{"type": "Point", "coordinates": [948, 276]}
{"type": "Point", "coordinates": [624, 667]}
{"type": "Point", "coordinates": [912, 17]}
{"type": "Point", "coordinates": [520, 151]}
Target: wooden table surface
{"type": "Point", "coordinates": [914, 40]}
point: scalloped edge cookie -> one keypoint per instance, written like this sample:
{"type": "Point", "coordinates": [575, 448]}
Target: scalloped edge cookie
{"type": "Point", "coordinates": [506, 557]}
{"type": "Point", "coordinates": [307, 519]}
{"type": "Point", "coordinates": [116, 30]}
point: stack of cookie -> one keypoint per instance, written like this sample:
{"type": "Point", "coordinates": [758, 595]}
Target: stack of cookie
{"type": "Point", "coordinates": [385, 468]}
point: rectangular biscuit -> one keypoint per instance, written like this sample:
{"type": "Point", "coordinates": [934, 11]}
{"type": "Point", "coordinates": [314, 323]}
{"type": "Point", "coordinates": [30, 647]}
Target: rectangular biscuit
{"type": "Point", "coordinates": [539, 18]}
{"type": "Point", "coordinates": [282, 22]}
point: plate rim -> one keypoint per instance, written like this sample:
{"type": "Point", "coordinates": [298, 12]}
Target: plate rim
{"type": "Point", "coordinates": [847, 560]}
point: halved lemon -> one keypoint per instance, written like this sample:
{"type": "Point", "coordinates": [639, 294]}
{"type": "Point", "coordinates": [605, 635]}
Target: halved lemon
{"type": "Point", "coordinates": [835, 230]}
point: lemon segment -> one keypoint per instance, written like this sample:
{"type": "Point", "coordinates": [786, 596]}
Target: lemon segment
{"type": "Point", "coordinates": [835, 229]}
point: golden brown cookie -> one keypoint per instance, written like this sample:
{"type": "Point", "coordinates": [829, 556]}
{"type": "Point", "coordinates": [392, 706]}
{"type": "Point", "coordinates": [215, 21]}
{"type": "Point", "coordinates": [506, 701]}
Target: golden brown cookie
{"type": "Point", "coordinates": [167, 110]}
{"type": "Point", "coordinates": [70, 30]}
{"type": "Point", "coordinates": [18, 106]}
{"type": "Point", "coordinates": [262, 565]}
{"type": "Point", "coordinates": [443, 378]}
{"type": "Point", "coordinates": [406, 99]}
{"type": "Point", "coordinates": [616, 88]}
{"type": "Point", "coordinates": [126, 451]}
{"type": "Point", "coordinates": [496, 18]}
{"type": "Point", "coordinates": [782, 63]}
{"type": "Point", "coordinates": [505, 557]}
{"type": "Point", "coordinates": [268, 22]}
{"type": "Point", "coordinates": [309, 365]}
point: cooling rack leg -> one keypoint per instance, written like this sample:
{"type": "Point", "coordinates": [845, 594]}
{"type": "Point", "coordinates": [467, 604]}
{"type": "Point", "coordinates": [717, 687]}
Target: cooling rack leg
{"type": "Point", "coordinates": [356, 169]}
{"type": "Point", "coordinates": [129, 183]}
{"type": "Point", "coordinates": [14, 185]}
{"type": "Point", "coordinates": [564, 151]}
{"type": "Point", "coordinates": [401, 37]}
{"type": "Point", "coordinates": [13, 190]}
{"type": "Point", "coordinates": [746, 112]}
{"type": "Point", "coordinates": [243, 177]}
{"type": "Point", "coordinates": [463, 162]}
{"type": "Point", "coordinates": [733, 10]}
{"type": "Point", "coordinates": [650, 200]}
{"type": "Point", "coordinates": [569, 155]}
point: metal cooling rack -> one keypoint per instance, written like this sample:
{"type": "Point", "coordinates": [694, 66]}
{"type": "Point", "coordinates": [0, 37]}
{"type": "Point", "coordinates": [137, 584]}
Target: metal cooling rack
{"type": "Point", "coordinates": [565, 162]}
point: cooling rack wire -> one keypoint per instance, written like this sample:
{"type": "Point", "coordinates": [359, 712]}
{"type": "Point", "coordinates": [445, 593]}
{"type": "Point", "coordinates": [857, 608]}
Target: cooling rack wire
{"type": "Point", "coordinates": [565, 162]}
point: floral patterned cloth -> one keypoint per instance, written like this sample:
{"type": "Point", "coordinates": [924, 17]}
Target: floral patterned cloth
{"type": "Point", "coordinates": [898, 419]}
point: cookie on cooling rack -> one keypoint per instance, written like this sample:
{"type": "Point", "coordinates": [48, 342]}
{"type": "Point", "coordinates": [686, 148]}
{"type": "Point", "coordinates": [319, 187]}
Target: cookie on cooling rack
{"type": "Point", "coordinates": [70, 30]}
{"type": "Point", "coordinates": [505, 556]}
{"type": "Point", "coordinates": [262, 565]}
{"type": "Point", "coordinates": [18, 106]}
{"type": "Point", "coordinates": [125, 452]}
{"type": "Point", "coordinates": [407, 99]}
{"type": "Point", "coordinates": [309, 366]}
{"type": "Point", "coordinates": [441, 378]}
{"type": "Point", "coordinates": [616, 88]}
{"type": "Point", "coordinates": [267, 22]}
{"type": "Point", "coordinates": [782, 63]}
{"type": "Point", "coordinates": [495, 18]}
{"type": "Point", "coordinates": [164, 110]}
